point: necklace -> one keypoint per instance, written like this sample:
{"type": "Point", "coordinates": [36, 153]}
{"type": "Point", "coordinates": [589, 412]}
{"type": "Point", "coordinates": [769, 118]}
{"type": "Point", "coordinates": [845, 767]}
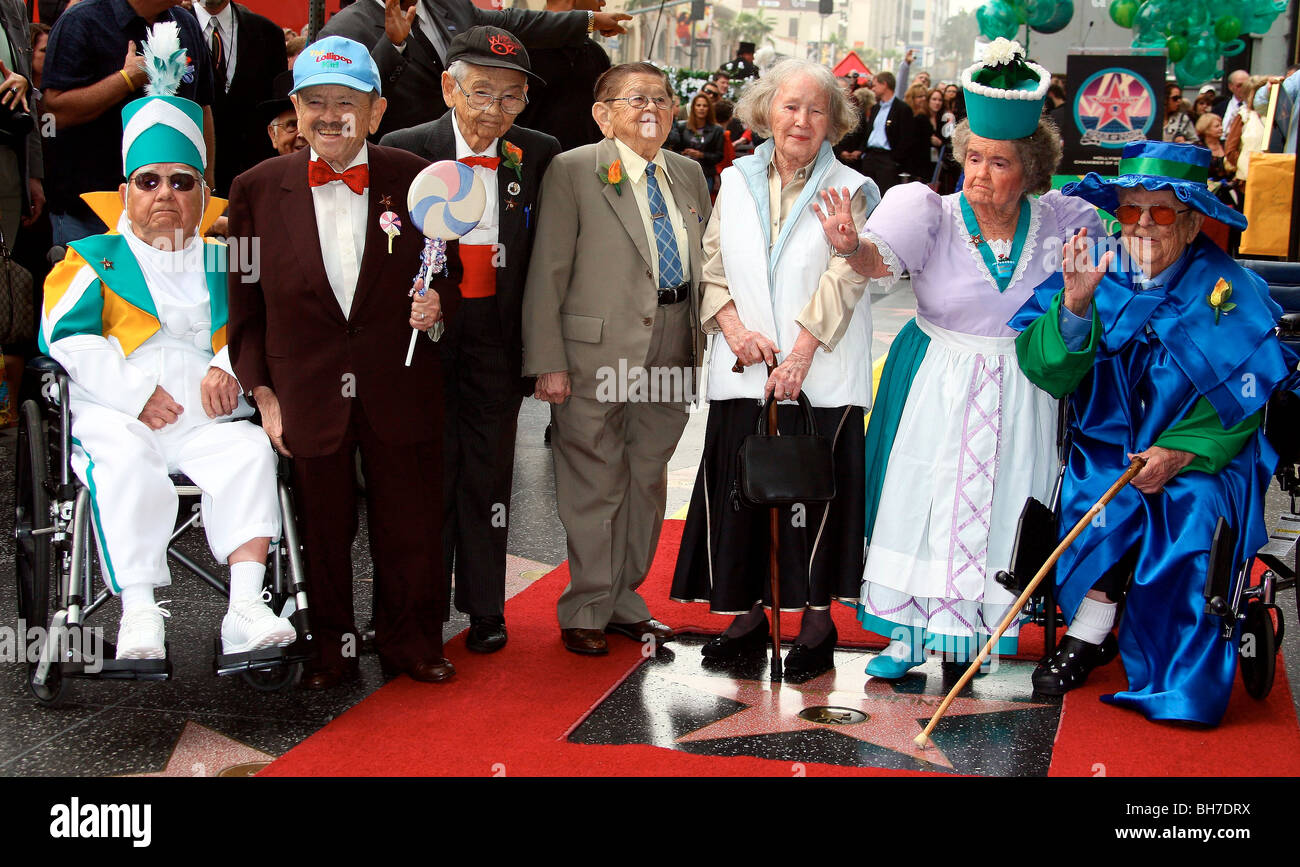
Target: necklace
{"type": "Point", "coordinates": [1000, 260]}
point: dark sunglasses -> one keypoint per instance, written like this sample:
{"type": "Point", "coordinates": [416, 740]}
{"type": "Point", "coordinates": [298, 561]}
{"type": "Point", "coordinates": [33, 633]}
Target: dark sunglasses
{"type": "Point", "coordinates": [148, 182]}
{"type": "Point", "coordinates": [1161, 215]}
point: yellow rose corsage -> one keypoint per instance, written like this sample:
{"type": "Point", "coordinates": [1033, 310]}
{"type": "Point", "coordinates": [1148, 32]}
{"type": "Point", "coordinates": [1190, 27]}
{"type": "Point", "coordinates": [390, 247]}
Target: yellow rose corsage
{"type": "Point", "coordinates": [1218, 299]}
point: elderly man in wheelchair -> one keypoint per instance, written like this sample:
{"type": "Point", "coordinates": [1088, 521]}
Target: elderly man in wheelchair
{"type": "Point", "coordinates": [137, 319]}
{"type": "Point", "coordinates": [1167, 348]}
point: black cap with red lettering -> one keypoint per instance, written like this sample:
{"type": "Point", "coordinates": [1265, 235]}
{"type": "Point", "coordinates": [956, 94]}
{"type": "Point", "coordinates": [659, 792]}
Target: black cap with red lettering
{"type": "Point", "coordinates": [490, 46]}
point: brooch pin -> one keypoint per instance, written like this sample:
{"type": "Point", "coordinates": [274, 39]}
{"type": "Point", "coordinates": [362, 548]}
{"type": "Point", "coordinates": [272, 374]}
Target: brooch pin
{"type": "Point", "coordinates": [106, 264]}
{"type": "Point", "coordinates": [977, 239]}
{"type": "Point", "coordinates": [510, 204]}
{"type": "Point", "coordinates": [391, 225]}
{"type": "Point", "coordinates": [513, 188]}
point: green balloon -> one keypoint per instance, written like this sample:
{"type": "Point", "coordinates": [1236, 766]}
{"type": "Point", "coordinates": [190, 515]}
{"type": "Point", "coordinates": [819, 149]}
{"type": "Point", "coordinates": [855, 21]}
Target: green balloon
{"type": "Point", "coordinates": [1227, 28]}
{"type": "Point", "coordinates": [997, 19]}
{"type": "Point", "coordinates": [1177, 47]}
{"type": "Point", "coordinates": [1123, 12]}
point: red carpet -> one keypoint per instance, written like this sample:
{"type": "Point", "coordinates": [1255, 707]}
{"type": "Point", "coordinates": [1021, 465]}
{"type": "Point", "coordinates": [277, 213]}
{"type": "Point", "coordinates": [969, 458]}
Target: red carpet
{"type": "Point", "coordinates": [508, 714]}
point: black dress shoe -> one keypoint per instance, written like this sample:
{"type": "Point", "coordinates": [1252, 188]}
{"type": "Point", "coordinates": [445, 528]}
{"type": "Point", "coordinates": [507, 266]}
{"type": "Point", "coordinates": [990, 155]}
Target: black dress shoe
{"type": "Point", "coordinates": [804, 662]}
{"type": "Point", "coordinates": [726, 647]}
{"type": "Point", "coordinates": [1070, 665]}
{"type": "Point", "coordinates": [486, 634]}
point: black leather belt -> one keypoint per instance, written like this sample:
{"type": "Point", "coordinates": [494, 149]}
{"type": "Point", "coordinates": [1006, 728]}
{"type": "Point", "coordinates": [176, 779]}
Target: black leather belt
{"type": "Point", "coordinates": [674, 295]}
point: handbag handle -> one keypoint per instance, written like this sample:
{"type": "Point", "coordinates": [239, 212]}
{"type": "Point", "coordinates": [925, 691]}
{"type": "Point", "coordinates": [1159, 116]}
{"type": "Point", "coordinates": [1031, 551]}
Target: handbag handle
{"type": "Point", "coordinates": [1272, 110]}
{"type": "Point", "coordinates": [760, 427]}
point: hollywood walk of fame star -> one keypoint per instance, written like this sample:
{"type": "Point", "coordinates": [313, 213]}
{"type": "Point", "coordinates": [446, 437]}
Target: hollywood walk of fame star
{"type": "Point", "coordinates": [202, 752]}
{"type": "Point", "coordinates": [1115, 104]}
{"type": "Point", "coordinates": [893, 718]}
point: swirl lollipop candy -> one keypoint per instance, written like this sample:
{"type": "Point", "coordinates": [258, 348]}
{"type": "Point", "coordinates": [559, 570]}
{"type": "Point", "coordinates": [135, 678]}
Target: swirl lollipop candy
{"type": "Point", "coordinates": [445, 202]}
{"type": "Point", "coordinates": [391, 224]}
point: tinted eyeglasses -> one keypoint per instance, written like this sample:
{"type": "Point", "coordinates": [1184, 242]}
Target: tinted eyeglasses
{"type": "Point", "coordinates": [1161, 215]}
{"type": "Point", "coordinates": [148, 182]}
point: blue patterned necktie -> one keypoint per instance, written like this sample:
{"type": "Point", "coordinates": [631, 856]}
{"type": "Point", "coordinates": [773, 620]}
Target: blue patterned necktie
{"type": "Point", "coordinates": [670, 263]}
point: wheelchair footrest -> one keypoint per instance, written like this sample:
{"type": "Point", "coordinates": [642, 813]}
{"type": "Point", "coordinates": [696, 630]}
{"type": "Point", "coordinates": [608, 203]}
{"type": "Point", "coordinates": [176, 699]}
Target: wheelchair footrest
{"type": "Point", "coordinates": [258, 660]}
{"type": "Point", "coordinates": [1279, 553]}
{"type": "Point", "coordinates": [110, 668]}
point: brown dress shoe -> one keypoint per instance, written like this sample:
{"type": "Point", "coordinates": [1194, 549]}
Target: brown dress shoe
{"type": "Point", "coordinates": [327, 678]}
{"type": "Point", "coordinates": [431, 671]}
{"type": "Point", "coordinates": [588, 641]}
{"type": "Point", "coordinates": [638, 631]}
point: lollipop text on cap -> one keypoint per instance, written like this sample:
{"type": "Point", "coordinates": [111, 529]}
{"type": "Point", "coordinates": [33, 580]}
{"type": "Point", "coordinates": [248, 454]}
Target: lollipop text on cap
{"type": "Point", "coordinates": [336, 60]}
{"type": "Point", "coordinates": [490, 46]}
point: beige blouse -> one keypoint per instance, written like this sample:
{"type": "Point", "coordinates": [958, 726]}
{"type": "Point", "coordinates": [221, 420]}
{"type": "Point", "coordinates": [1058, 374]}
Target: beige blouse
{"type": "Point", "coordinates": [827, 313]}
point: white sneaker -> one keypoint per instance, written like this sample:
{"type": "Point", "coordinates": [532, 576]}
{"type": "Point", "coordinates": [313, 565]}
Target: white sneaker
{"type": "Point", "coordinates": [140, 634]}
{"type": "Point", "coordinates": [250, 625]}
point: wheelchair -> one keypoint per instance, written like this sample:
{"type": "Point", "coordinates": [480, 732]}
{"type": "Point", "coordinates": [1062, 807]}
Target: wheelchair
{"type": "Point", "coordinates": [1231, 592]}
{"type": "Point", "coordinates": [57, 562]}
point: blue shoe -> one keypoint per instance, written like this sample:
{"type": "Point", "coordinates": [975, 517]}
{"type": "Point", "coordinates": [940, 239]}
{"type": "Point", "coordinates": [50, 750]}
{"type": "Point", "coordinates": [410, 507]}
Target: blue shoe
{"type": "Point", "coordinates": [896, 660]}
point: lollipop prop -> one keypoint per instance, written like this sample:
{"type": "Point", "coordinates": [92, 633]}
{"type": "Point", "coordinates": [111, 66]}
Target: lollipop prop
{"type": "Point", "coordinates": [445, 201]}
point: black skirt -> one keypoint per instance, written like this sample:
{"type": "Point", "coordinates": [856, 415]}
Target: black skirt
{"type": "Point", "coordinates": [724, 558]}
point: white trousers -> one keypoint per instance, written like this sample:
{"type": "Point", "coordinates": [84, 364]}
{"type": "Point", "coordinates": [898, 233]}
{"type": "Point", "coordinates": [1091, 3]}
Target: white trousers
{"type": "Point", "coordinates": [125, 465]}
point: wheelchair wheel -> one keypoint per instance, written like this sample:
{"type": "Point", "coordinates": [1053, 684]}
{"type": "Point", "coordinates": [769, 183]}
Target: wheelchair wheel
{"type": "Point", "coordinates": [272, 679]}
{"type": "Point", "coordinates": [33, 570]}
{"type": "Point", "coordinates": [1258, 668]}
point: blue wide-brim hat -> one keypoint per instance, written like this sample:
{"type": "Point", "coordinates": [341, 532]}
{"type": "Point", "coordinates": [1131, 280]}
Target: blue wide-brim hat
{"type": "Point", "coordinates": [1159, 165]}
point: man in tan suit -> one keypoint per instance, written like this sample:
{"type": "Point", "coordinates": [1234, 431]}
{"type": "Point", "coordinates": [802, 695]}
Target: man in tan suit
{"type": "Point", "coordinates": [611, 330]}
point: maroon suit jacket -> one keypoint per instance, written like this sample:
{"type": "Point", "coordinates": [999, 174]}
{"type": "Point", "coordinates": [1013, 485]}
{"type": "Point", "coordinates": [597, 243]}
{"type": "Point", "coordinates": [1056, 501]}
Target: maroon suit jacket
{"type": "Point", "coordinates": [288, 332]}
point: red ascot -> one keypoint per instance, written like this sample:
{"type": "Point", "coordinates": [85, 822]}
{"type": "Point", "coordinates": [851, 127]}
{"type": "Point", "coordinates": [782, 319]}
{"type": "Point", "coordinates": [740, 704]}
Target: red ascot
{"type": "Point", "coordinates": [357, 178]}
{"type": "Point", "coordinates": [485, 162]}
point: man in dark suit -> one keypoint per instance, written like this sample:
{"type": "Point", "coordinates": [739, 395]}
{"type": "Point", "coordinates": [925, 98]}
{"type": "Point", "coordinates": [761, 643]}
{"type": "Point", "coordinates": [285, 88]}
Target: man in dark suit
{"type": "Point", "coordinates": [562, 107]}
{"type": "Point", "coordinates": [247, 53]}
{"type": "Point", "coordinates": [317, 335]}
{"type": "Point", "coordinates": [409, 38]}
{"type": "Point", "coordinates": [889, 135]}
{"type": "Point", "coordinates": [485, 86]}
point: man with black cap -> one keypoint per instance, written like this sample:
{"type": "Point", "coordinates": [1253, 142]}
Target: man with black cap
{"type": "Point", "coordinates": [743, 66]}
{"type": "Point", "coordinates": [281, 118]}
{"type": "Point", "coordinates": [485, 86]}
{"type": "Point", "coordinates": [409, 41]}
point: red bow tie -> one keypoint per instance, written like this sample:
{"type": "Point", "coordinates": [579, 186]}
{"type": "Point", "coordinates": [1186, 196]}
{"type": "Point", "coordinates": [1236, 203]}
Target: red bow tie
{"type": "Point", "coordinates": [357, 178]}
{"type": "Point", "coordinates": [485, 162]}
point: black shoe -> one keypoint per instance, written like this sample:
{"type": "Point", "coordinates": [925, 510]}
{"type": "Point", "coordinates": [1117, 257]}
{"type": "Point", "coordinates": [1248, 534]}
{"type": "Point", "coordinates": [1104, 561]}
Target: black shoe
{"type": "Point", "coordinates": [803, 662]}
{"type": "Point", "coordinates": [486, 634]}
{"type": "Point", "coordinates": [1070, 665]}
{"type": "Point", "coordinates": [725, 647]}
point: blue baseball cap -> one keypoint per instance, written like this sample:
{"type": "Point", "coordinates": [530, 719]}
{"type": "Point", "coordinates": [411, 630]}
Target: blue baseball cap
{"type": "Point", "coordinates": [336, 60]}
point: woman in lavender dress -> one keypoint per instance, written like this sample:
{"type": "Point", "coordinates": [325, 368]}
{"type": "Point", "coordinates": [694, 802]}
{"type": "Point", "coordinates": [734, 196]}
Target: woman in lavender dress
{"type": "Point", "coordinates": [959, 437]}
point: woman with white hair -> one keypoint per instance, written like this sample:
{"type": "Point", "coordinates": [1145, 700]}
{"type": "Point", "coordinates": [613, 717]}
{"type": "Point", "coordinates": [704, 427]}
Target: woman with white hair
{"type": "Point", "coordinates": [960, 437]}
{"type": "Point", "coordinates": [776, 295]}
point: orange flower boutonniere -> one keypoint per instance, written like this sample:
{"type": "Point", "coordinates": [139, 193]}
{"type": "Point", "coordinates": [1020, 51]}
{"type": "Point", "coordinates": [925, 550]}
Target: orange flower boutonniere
{"type": "Point", "coordinates": [612, 174]}
{"type": "Point", "coordinates": [513, 158]}
{"type": "Point", "coordinates": [1218, 299]}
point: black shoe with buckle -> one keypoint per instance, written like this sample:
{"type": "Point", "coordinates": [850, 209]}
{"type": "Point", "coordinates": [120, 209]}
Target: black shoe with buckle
{"type": "Point", "coordinates": [1070, 665]}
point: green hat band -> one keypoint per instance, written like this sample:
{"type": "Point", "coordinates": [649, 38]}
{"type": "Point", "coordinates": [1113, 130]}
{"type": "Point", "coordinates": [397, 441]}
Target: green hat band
{"type": "Point", "coordinates": [1164, 168]}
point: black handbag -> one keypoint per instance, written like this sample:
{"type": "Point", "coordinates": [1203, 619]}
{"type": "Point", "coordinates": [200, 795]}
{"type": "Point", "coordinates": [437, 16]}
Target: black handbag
{"type": "Point", "coordinates": [783, 469]}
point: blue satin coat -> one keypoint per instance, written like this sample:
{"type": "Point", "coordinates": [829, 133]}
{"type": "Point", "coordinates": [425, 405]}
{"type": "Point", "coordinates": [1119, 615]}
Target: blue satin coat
{"type": "Point", "coordinates": [1161, 350]}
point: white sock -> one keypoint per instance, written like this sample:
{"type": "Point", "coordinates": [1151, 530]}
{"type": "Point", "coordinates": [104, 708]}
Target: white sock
{"type": "Point", "coordinates": [246, 581]}
{"type": "Point", "coordinates": [1093, 620]}
{"type": "Point", "coordinates": [135, 596]}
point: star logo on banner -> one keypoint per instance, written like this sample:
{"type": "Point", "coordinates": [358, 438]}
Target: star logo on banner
{"type": "Point", "coordinates": [1113, 104]}
{"type": "Point", "coordinates": [202, 752]}
{"type": "Point", "coordinates": [893, 718]}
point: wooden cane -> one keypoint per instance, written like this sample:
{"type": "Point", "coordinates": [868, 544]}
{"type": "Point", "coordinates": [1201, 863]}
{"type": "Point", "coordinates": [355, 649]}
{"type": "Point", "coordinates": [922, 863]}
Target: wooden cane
{"type": "Point", "coordinates": [774, 566]}
{"type": "Point", "coordinates": [923, 739]}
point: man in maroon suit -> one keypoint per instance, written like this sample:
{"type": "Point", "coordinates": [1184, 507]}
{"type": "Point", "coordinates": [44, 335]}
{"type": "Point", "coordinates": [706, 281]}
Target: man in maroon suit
{"type": "Point", "coordinates": [318, 334]}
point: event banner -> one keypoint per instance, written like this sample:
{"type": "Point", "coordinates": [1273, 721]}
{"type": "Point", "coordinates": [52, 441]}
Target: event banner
{"type": "Point", "coordinates": [1112, 100]}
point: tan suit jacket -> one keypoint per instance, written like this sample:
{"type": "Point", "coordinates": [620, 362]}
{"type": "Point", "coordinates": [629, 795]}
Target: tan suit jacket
{"type": "Point", "coordinates": [591, 296]}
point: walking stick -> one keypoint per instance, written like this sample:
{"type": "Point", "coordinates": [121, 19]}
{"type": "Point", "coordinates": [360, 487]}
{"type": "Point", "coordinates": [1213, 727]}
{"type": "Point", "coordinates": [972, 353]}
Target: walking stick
{"type": "Point", "coordinates": [923, 739]}
{"type": "Point", "coordinates": [774, 566]}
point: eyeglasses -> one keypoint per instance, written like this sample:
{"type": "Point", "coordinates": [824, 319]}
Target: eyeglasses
{"type": "Point", "coordinates": [481, 100]}
{"type": "Point", "coordinates": [287, 126]}
{"type": "Point", "coordinates": [181, 182]}
{"type": "Point", "coordinates": [640, 101]}
{"type": "Point", "coordinates": [708, 92]}
{"type": "Point", "coordinates": [1161, 215]}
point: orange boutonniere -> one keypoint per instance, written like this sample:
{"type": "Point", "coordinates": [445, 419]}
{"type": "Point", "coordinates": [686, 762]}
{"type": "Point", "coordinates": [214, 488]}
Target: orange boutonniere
{"type": "Point", "coordinates": [612, 174]}
{"type": "Point", "coordinates": [513, 158]}
{"type": "Point", "coordinates": [1218, 299]}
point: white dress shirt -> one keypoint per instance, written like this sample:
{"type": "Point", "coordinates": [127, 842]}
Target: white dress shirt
{"type": "Point", "coordinates": [485, 232]}
{"type": "Point", "coordinates": [225, 19]}
{"type": "Point", "coordinates": [341, 224]}
{"type": "Point", "coordinates": [634, 172]}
